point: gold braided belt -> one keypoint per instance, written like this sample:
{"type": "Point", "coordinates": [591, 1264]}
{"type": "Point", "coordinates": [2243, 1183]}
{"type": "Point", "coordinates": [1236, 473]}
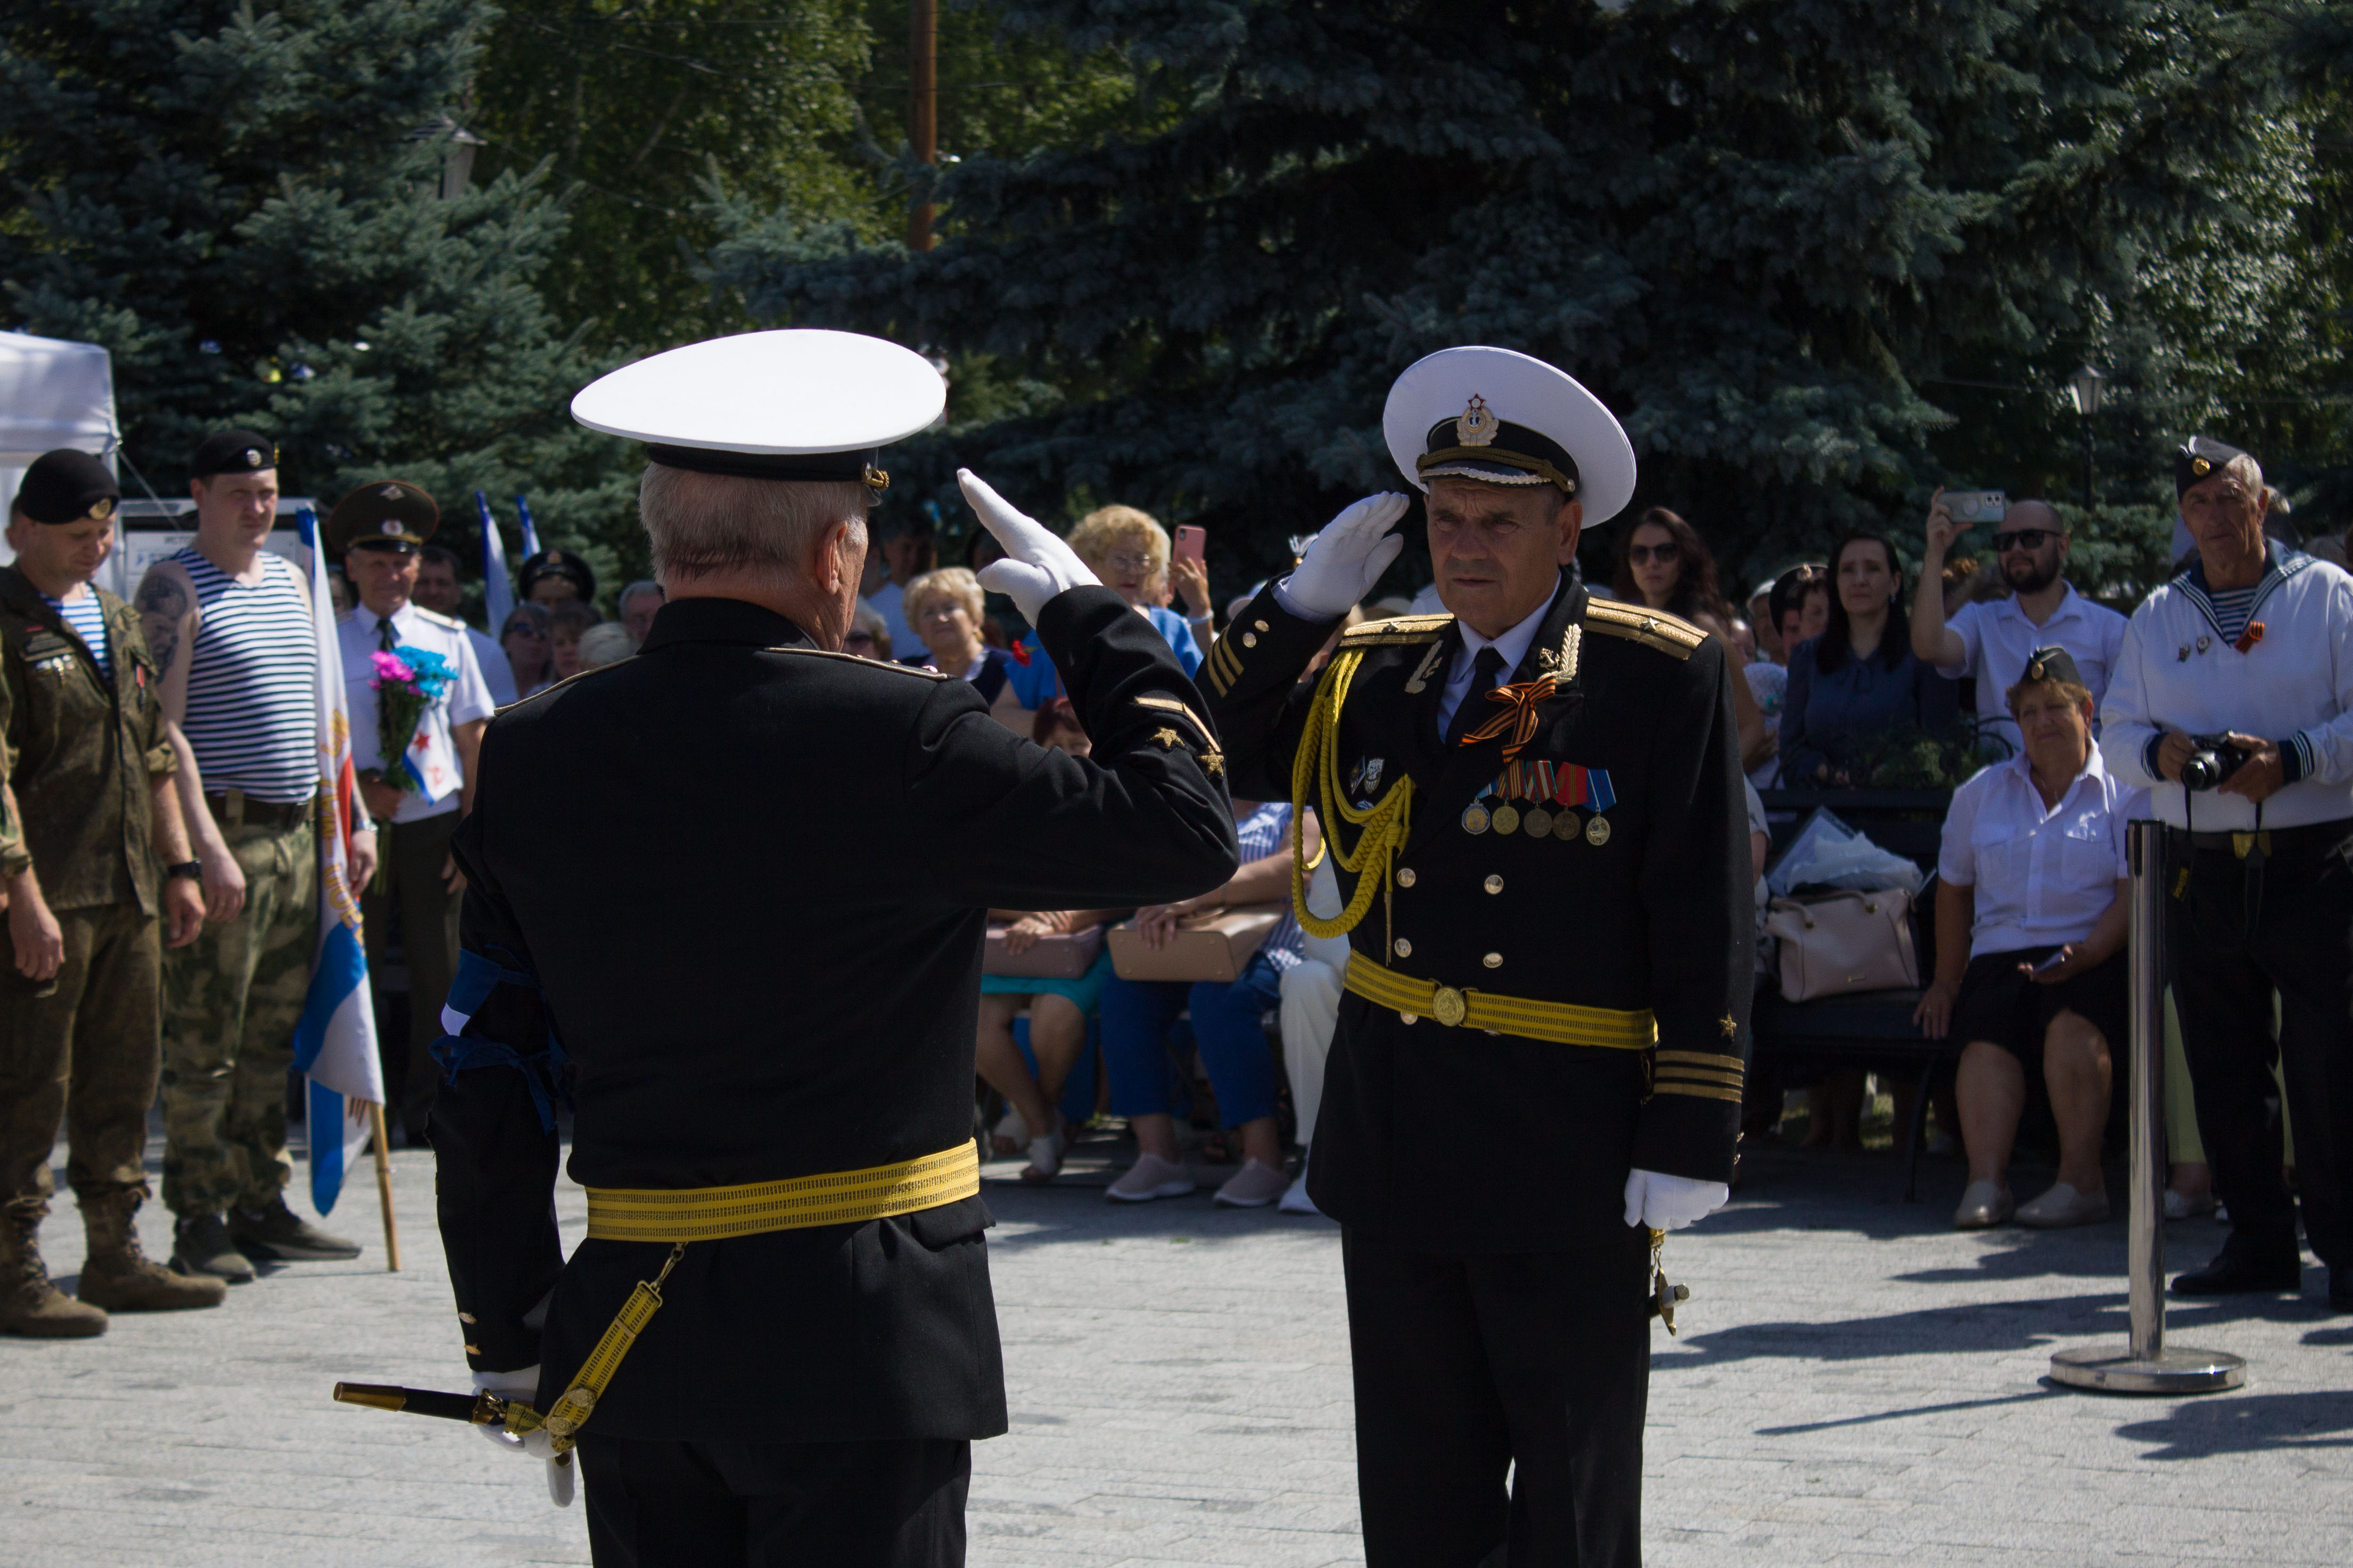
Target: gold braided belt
{"type": "Point", "coordinates": [1562, 1023]}
{"type": "Point", "coordinates": [799, 1203]}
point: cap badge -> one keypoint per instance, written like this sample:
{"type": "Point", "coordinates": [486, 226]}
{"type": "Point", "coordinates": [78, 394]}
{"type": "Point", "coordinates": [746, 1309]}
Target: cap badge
{"type": "Point", "coordinates": [392, 528]}
{"type": "Point", "coordinates": [1478, 424]}
{"type": "Point", "coordinates": [102, 509]}
{"type": "Point", "coordinates": [252, 457]}
{"type": "Point", "coordinates": [2202, 467]}
{"type": "Point", "coordinates": [390, 492]}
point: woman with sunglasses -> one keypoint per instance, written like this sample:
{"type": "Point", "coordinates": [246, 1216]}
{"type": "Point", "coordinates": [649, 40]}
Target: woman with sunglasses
{"type": "Point", "coordinates": [527, 637]}
{"type": "Point", "coordinates": [1663, 565]}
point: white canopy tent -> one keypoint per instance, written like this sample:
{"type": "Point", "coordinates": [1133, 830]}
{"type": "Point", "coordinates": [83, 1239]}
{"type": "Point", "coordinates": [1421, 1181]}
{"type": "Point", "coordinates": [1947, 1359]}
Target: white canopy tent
{"type": "Point", "coordinates": [52, 394]}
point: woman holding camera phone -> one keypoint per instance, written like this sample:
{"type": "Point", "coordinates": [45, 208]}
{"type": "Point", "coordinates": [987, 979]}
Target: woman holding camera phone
{"type": "Point", "coordinates": [2031, 920]}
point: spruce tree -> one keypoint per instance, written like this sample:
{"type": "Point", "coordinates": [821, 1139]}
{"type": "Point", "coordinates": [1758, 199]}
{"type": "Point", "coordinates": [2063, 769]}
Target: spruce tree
{"type": "Point", "coordinates": [1772, 234]}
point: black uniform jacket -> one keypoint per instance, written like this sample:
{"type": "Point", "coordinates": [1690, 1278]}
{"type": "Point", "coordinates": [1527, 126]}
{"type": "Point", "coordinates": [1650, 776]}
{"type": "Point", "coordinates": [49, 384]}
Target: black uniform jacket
{"type": "Point", "coordinates": [1451, 1139]}
{"type": "Point", "coordinates": [751, 880]}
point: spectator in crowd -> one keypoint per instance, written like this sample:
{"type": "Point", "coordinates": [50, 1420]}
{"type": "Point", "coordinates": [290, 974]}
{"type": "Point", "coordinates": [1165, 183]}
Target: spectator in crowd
{"type": "Point", "coordinates": [417, 793]}
{"type": "Point", "coordinates": [556, 577]}
{"type": "Point", "coordinates": [1859, 680]}
{"type": "Point", "coordinates": [908, 549]}
{"type": "Point", "coordinates": [527, 640]}
{"type": "Point", "coordinates": [1800, 605]}
{"type": "Point", "coordinates": [92, 852]}
{"type": "Point", "coordinates": [231, 627]}
{"type": "Point", "coordinates": [1663, 565]}
{"type": "Point", "coordinates": [637, 606]}
{"type": "Point", "coordinates": [2032, 909]}
{"type": "Point", "coordinates": [1129, 551]}
{"type": "Point", "coordinates": [1190, 580]}
{"type": "Point", "coordinates": [567, 623]}
{"type": "Point", "coordinates": [869, 635]}
{"type": "Point", "coordinates": [1136, 1014]}
{"type": "Point", "coordinates": [437, 591]}
{"type": "Point", "coordinates": [1768, 630]}
{"type": "Point", "coordinates": [947, 608]}
{"type": "Point", "coordinates": [1311, 1015]}
{"type": "Point", "coordinates": [1990, 639]}
{"type": "Point", "coordinates": [607, 642]}
{"type": "Point", "coordinates": [1058, 1009]}
{"type": "Point", "coordinates": [2247, 648]}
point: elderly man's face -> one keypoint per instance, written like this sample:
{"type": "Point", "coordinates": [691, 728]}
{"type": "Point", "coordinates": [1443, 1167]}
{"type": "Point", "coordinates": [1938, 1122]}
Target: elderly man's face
{"type": "Point", "coordinates": [1499, 549]}
{"type": "Point", "coordinates": [638, 611]}
{"type": "Point", "coordinates": [437, 587]}
{"type": "Point", "coordinates": [2226, 519]}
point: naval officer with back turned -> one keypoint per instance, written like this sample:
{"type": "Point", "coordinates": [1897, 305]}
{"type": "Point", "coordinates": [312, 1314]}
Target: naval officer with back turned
{"type": "Point", "coordinates": [777, 1341]}
{"type": "Point", "coordinates": [1534, 802]}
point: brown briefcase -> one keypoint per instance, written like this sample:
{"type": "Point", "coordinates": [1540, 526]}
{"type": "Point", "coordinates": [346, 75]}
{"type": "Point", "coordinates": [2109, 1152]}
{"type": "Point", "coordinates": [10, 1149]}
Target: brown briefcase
{"type": "Point", "coordinates": [1216, 944]}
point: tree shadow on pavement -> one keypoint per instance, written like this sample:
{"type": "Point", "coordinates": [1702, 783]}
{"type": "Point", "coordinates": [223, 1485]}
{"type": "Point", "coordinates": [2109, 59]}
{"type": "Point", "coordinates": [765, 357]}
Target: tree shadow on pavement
{"type": "Point", "coordinates": [2249, 1424]}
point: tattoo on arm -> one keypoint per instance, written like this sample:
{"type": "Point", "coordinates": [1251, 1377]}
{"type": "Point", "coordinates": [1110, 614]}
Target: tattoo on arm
{"type": "Point", "coordinates": [162, 605]}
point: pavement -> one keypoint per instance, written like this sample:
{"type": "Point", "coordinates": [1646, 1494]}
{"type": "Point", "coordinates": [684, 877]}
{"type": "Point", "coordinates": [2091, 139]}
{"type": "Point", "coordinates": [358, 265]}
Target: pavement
{"type": "Point", "coordinates": [1854, 1382]}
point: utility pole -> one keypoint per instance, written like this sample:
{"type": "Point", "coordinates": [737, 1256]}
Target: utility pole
{"type": "Point", "coordinates": [923, 106]}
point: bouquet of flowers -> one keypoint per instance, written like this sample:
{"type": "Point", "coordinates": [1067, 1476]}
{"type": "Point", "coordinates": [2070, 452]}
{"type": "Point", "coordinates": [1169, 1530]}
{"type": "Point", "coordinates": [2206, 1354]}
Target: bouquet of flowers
{"type": "Point", "coordinates": [408, 682]}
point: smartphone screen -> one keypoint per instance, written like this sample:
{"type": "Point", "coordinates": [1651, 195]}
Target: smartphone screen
{"type": "Point", "coordinates": [1191, 541]}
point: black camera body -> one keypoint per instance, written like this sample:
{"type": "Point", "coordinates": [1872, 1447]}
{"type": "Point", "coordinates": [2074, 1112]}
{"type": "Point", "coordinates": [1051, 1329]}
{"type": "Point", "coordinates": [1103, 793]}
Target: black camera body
{"type": "Point", "coordinates": [2214, 760]}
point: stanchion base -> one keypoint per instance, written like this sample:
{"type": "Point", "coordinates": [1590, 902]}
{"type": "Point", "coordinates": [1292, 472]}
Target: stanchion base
{"type": "Point", "coordinates": [2178, 1370]}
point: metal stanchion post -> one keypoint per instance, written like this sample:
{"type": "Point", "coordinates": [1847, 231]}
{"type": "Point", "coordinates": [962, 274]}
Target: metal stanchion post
{"type": "Point", "coordinates": [2145, 1365]}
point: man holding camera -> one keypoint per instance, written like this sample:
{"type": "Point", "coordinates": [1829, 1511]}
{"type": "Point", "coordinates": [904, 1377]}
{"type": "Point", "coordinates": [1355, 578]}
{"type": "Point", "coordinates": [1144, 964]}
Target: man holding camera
{"type": "Point", "coordinates": [2232, 703]}
{"type": "Point", "coordinates": [1993, 640]}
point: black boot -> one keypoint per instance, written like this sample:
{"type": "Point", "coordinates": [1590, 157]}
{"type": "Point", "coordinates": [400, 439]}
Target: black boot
{"type": "Point", "coordinates": [201, 1246]}
{"type": "Point", "coordinates": [2244, 1268]}
{"type": "Point", "coordinates": [278, 1232]}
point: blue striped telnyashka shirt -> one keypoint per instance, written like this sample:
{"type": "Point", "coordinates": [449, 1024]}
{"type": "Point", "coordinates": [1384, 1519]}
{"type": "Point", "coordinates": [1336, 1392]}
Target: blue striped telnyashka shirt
{"type": "Point", "coordinates": [251, 683]}
{"type": "Point", "coordinates": [1264, 832]}
{"type": "Point", "coordinates": [87, 616]}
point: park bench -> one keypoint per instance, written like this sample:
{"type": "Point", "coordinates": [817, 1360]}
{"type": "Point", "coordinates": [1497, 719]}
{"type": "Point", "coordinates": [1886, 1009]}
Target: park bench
{"type": "Point", "coordinates": [1867, 1028]}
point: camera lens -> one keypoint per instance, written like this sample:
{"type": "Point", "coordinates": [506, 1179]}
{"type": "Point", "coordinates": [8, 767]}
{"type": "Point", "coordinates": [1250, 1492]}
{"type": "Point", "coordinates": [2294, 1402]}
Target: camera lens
{"type": "Point", "coordinates": [2204, 770]}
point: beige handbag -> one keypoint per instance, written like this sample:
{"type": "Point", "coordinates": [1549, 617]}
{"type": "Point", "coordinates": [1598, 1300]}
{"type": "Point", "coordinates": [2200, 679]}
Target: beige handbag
{"type": "Point", "coordinates": [1845, 942]}
{"type": "Point", "coordinates": [1215, 945]}
{"type": "Point", "coordinates": [1066, 956]}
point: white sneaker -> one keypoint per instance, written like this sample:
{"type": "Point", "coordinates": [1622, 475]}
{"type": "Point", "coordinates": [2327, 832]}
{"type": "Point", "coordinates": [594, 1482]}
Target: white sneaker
{"type": "Point", "coordinates": [2063, 1206]}
{"type": "Point", "coordinates": [2180, 1207]}
{"type": "Point", "coordinates": [1296, 1200]}
{"type": "Point", "coordinates": [1150, 1177]}
{"type": "Point", "coordinates": [1255, 1186]}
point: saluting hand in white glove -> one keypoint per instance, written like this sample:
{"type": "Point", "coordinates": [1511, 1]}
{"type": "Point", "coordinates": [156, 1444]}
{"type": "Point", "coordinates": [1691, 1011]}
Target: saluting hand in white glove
{"type": "Point", "coordinates": [1670, 1203]}
{"type": "Point", "coordinates": [1347, 558]}
{"type": "Point", "coordinates": [518, 1388]}
{"type": "Point", "coordinates": [1038, 564]}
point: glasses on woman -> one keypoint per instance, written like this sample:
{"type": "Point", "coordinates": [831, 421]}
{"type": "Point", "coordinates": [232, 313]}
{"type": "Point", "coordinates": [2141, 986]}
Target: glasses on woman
{"type": "Point", "coordinates": [1666, 554]}
{"type": "Point", "coordinates": [1128, 561]}
{"type": "Point", "coordinates": [2020, 539]}
{"type": "Point", "coordinates": [522, 629]}
{"type": "Point", "coordinates": [856, 642]}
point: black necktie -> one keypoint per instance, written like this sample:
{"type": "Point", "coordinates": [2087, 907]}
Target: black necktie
{"type": "Point", "coordinates": [1484, 670]}
{"type": "Point", "coordinates": [385, 638]}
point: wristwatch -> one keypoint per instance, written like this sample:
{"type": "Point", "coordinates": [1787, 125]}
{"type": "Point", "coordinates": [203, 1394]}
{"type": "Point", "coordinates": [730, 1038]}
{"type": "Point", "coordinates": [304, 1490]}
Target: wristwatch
{"type": "Point", "coordinates": [194, 870]}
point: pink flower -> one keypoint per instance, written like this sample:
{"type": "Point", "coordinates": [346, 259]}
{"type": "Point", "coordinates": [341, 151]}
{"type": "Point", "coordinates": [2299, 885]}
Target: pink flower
{"type": "Point", "coordinates": [392, 666]}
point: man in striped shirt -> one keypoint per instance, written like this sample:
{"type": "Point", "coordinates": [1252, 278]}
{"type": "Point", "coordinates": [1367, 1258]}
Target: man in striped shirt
{"type": "Point", "coordinates": [229, 623]}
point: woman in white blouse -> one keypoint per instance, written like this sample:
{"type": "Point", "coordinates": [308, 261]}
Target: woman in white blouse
{"type": "Point", "coordinates": [2031, 918]}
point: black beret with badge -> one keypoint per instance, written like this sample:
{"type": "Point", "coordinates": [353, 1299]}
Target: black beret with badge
{"type": "Point", "coordinates": [383, 514]}
{"type": "Point", "coordinates": [2200, 457]}
{"type": "Point", "coordinates": [65, 486]}
{"type": "Point", "coordinates": [233, 452]}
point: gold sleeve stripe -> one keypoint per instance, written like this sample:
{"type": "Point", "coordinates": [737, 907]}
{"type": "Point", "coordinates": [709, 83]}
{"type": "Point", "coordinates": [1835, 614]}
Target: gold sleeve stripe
{"type": "Point", "coordinates": [1700, 1091]}
{"type": "Point", "coordinates": [1170, 705]}
{"type": "Point", "coordinates": [1230, 661]}
{"type": "Point", "coordinates": [1687, 1075]}
{"type": "Point", "coordinates": [1699, 1059]}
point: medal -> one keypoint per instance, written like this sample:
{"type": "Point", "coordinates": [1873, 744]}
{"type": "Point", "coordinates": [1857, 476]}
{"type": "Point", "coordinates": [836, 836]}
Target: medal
{"type": "Point", "coordinates": [1474, 818]}
{"type": "Point", "coordinates": [1507, 819]}
{"type": "Point", "coordinates": [1596, 831]}
{"type": "Point", "coordinates": [1539, 823]}
{"type": "Point", "coordinates": [1564, 827]}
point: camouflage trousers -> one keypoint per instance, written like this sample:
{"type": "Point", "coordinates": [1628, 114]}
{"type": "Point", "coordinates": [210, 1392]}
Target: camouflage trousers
{"type": "Point", "coordinates": [83, 1051]}
{"type": "Point", "coordinates": [231, 1000]}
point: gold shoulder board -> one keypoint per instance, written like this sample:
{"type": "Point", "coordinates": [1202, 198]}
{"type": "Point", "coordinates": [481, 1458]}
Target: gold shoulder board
{"type": "Point", "coordinates": [1651, 628]}
{"type": "Point", "coordinates": [1396, 629]}
{"type": "Point", "coordinates": [869, 663]}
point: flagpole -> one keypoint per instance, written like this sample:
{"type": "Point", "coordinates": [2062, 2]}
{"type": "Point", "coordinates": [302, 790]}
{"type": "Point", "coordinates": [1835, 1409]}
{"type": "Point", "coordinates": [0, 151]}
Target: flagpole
{"type": "Point", "coordinates": [384, 1187]}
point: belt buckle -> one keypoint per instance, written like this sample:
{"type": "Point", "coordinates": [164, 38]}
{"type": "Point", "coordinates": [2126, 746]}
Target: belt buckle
{"type": "Point", "coordinates": [1449, 1006]}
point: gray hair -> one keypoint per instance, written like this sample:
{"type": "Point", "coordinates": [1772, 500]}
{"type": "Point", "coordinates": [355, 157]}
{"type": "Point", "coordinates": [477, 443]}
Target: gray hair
{"type": "Point", "coordinates": [701, 523]}
{"type": "Point", "coordinates": [642, 586]}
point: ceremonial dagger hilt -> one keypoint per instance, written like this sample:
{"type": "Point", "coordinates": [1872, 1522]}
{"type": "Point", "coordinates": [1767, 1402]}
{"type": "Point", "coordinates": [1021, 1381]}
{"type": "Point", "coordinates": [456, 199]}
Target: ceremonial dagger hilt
{"type": "Point", "coordinates": [479, 1409]}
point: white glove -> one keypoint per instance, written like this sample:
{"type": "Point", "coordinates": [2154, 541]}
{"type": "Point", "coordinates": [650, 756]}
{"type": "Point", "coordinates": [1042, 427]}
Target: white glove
{"type": "Point", "coordinates": [1344, 561]}
{"type": "Point", "coordinates": [520, 1386]}
{"type": "Point", "coordinates": [1037, 565]}
{"type": "Point", "coordinates": [1671, 1202]}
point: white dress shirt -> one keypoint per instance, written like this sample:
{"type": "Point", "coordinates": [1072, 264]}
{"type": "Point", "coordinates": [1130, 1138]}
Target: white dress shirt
{"type": "Point", "coordinates": [2294, 687]}
{"type": "Point", "coordinates": [2042, 877]}
{"type": "Point", "coordinates": [1997, 639]}
{"type": "Point", "coordinates": [1513, 645]}
{"type": "Point", "coordinates": [462, 701]}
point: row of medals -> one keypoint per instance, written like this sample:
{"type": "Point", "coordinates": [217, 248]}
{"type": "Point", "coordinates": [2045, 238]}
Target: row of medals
{"type": "Point", "coordinates": [1538, 821]}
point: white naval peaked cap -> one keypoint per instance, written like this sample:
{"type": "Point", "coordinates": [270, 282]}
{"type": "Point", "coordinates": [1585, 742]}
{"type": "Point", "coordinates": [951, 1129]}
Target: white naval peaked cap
{"type": "Point", "coordinates": [1505, 418]}
{"type": "Point", "coordinates": [803, 403]}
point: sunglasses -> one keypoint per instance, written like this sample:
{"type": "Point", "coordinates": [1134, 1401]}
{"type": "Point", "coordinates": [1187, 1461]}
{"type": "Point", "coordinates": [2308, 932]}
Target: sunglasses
{"type": "Point", "coordinates": [2022, 539]}
{"type": "Point", "coordinates": [525, 630]}
{"type": "Point", "coordinates": [1666, 554]}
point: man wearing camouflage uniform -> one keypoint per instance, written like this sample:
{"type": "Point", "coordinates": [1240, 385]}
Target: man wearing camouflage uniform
{"type": "Point", "coordinates": [86, 809]}
{"type": "Point", "coordinates": [230, 625]}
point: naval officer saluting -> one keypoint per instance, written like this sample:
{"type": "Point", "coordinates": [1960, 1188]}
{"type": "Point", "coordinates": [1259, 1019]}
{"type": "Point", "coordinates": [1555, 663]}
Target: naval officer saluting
{"type": "Point", "coordinates": [767, 1034]}
{"type": "Point", "coordinates": [1534, 802]}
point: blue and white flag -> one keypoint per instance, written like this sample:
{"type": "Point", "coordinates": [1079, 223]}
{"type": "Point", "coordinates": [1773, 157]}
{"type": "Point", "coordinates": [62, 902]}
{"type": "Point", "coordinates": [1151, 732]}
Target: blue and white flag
{"type": "Point", "coordinates": [497, 592]}
{"type": "Point", "coordinates": [334, 1043]}
{"type": "Point", "coordinates": [530, 534]}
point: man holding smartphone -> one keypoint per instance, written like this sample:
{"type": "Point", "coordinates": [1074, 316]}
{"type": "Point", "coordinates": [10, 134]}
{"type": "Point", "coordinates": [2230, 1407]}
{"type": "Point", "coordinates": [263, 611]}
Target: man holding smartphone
{"type": "Point", "coordinates": [1992, 639]}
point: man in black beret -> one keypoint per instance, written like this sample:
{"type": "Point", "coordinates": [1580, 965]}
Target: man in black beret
{"type": "Point", "coordinates": [556, 577]}
{"type": "Point", "coordinates": [92, 850]}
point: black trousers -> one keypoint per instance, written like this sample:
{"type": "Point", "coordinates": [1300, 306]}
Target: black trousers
{"type": "Point", "coordinates": [1471, 1368]}
{"type": "Point", "coordinates": [2224, 968]}
{"type": "Point", "coordinates": [891, 1504]}
{"type": "Point", "coordinates": [414, 856]}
